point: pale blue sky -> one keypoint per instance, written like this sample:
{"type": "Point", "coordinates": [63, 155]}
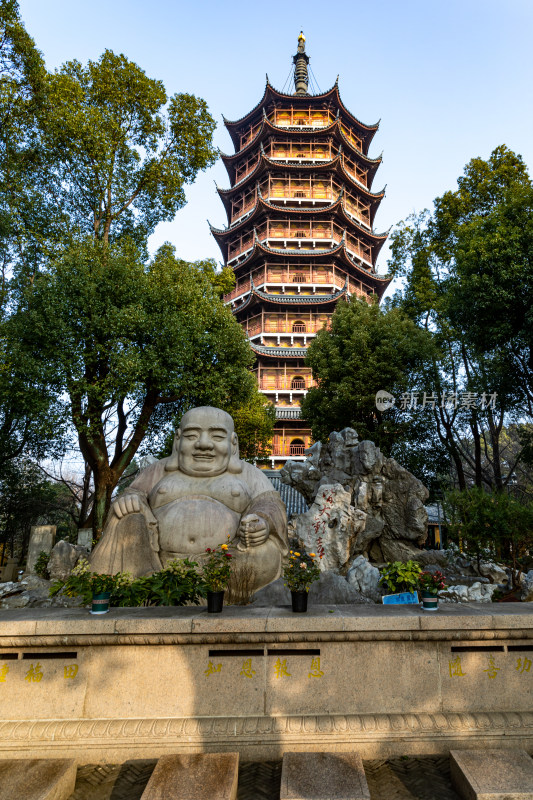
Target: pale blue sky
{"type": "Point", "coordinates": [449, 80]}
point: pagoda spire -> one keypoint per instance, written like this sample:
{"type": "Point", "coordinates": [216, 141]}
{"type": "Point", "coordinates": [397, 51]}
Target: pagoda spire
{"type": "Point", "coordinates": [300, 61]}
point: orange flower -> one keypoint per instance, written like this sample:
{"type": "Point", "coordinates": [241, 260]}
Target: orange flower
{"type": "Point", "coordinates": [296, 554]}
{"type": "Point", "coordinates": [312, 555]}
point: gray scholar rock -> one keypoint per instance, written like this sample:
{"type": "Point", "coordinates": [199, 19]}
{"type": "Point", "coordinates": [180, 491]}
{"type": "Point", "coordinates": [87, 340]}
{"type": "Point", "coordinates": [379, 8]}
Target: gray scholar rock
{"type": "Point", "coordinates": [361, 503]}
{"type": "Point", "coordinates": [63, 559]}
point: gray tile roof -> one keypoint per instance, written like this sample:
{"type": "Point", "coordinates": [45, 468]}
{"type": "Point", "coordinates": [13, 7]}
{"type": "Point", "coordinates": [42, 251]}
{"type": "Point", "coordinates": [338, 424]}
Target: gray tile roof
{"type": "Point", "coordinates": [294, 501]}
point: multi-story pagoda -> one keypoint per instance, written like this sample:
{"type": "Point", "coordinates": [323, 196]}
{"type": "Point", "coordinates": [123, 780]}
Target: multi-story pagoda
{"type": "Point", "coordinates": [300, 234]}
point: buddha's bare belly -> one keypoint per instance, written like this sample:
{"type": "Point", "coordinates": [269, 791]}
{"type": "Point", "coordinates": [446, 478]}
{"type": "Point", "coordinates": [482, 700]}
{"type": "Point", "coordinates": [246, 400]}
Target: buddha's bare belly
{"type": "Point", "coordinates": [189, 525]}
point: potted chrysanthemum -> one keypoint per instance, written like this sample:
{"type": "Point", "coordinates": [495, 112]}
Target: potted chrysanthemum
{"type": "Point", "coordinates": [430, 584]}
{"type": "Point", "coordinates": [299, 573]}
{"type": "Point", "coordinates": [216, 572]}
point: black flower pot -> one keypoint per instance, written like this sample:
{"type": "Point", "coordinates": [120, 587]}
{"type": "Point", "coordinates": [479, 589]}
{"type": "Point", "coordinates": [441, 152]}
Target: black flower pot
{"type": "Point", "coordinates": [299, 602]}
{"type": "Point", "coordinates": [215, 601]}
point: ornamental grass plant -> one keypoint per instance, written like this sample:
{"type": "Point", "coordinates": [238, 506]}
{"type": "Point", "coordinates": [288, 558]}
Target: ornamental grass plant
{"type": "Point", "coordinates": [301, 571]}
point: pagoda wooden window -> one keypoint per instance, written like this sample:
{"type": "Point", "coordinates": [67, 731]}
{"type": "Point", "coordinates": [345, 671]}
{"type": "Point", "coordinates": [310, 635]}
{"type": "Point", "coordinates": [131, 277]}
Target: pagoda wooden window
{"type": "Point", "coordinates": [299, 326]}
{"type": "Point", "coordinates": [298, 278]}
{"type": "Point", "coordinates": [298, 382]}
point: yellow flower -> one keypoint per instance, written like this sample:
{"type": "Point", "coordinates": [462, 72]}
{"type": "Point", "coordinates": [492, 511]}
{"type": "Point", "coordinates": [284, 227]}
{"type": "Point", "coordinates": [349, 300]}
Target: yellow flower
{"type": "Point", "coordinates": [290, 551]}
{"type": "Point", "coordinates": [296, 554]}
{"type": "Point", "coordinates": [223, 546]}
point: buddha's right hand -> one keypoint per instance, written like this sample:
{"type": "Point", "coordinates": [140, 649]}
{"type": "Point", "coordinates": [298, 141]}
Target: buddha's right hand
{"type": "Point", "coordinates": [127, 504]}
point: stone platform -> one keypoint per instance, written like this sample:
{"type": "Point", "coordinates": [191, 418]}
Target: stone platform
{"type": "Point", "coordinates": [385, 681]}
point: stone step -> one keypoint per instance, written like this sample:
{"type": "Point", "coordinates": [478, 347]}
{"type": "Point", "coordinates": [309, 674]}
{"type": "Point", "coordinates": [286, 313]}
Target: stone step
{"type": "Point", "coordinates": [323, 776]}
{"type": "Point", "coordinates": [207, 776]}
{"type": "Point", "coordinates": [492, 774]}
{"type": "Point", "coordinates": [37, 779]}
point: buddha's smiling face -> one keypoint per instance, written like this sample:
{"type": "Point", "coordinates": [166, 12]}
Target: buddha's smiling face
{"type": "Point", "coordinates": [206, 442]}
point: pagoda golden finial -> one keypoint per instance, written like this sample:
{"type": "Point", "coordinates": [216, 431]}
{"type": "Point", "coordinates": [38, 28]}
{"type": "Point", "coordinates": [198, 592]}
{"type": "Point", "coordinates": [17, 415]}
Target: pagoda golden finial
{"type": "Point", "coordinates": [300, 61]}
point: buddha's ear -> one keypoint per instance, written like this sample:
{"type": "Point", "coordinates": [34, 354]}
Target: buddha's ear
{"type": "Point", "coordinates": [234, 464]}
{"type": "Point", "coordinates": [173, 462]}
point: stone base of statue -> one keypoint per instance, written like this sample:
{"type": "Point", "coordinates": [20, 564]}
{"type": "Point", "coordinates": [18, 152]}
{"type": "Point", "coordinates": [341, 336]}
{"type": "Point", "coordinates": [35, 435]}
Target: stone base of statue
{"type": "Point", "coordinates": [137, 683]}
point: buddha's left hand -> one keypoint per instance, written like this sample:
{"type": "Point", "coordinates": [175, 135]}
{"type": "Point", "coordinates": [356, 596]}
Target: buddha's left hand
{"type": "Point", "coordinates": [253, 530]}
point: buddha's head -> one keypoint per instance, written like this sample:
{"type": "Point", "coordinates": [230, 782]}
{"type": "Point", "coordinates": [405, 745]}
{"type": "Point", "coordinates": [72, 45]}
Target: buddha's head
{"type": "Point", "coordinates": [205, 444]}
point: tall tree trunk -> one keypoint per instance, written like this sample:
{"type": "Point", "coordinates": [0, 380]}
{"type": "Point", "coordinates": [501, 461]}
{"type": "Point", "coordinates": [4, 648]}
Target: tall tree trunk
{"type": "Point", "coordinates": [84, 506]}
{"type": "Point", "coordinates": [101, 502]}
{"type": "Point", "coordinates": [477, 450]}
{"type": "Point", "coordinates": [495, 431]}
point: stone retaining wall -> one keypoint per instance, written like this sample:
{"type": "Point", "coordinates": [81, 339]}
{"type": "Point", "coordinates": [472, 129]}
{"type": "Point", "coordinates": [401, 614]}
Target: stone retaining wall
{"type": "Point", "coordinates": [139, 683]}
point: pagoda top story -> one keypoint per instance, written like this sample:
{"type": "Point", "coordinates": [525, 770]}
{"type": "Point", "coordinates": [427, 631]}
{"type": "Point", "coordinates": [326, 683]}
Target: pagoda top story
{"type": "Point", "coordinates": [337, 116]}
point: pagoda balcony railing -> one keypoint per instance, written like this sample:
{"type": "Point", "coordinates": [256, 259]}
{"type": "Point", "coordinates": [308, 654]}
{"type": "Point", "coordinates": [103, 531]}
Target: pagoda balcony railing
{"type": "Point", "coordinates": [285, 385]}
{"type": "Point", "coordinates": [301, 193]}
{"type": "Point", "coordinates": [240, 210]}
{"type": "Point", "coordinates": [352, 137]}
{"type": "Point", "coordinates": [283, 279]}
{"type": "Point", "coordinates": [242, 172]}
{"type": "Point", "coordinates": [301, 118]}
{"type": "Point", "coordinates": [283, 327]}
{"type": "Point", "coordinates": [288, 450]}
{"type": "Point", "coordinates": [353, 170]}
{"type": "Point", "coordinates": [293, 151]}
{"type": "Point", "coordinates": [250, 134]}
{"type": "Point", "coordinates": [297, 119]}
{"type": "Point", "coordinates": [324, 234]}
{"type": "Point", "coordinates": [312, 189]}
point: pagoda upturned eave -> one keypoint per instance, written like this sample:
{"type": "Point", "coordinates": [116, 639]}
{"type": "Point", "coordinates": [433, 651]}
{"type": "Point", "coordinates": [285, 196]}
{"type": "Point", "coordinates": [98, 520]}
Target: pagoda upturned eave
{"type": "Point", "coordinates": [320, 257]}
{"type": "Point", "coordinates": [266, 164]}
{"type": "Point", "coordinates": [279, 352]}
{"type": "Point", "coordinates": [262, 298]}
{"type": "Point", "coordinates": [270, 94]}
{"type": "Point", "coordinates": [259, 248]}
{"type": "Point", "coordinates": [268, 129]}
{"type": "Point", "coordinates": [301, 251]}
{"type": "Point", "coordinates": [334, 210]}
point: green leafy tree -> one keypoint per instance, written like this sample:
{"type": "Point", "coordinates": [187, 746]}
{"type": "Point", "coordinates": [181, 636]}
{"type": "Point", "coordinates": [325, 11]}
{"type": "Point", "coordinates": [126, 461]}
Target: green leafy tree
{"type": "Point", "coordinates": [366, 349]}
{"type": "Point", "coordinates": [254, 425]}
{"type": "Point", "coordinates": [120, 162]}
{"type": "Point", "coordinates": [28, 498]}
{"type": "Point", "coordinates": [95, 151]}
{"type": "Point", "coordinates": [132, 345]}
{"type": "Point", "coordinates": [31, 422]}
{"type": "Point", "coordinates": [491, 525]}
{"type": "Point", "coordinates": [448, 261]}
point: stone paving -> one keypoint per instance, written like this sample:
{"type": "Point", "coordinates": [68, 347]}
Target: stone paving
{"type": "Point", "coordinates": [403, 778]}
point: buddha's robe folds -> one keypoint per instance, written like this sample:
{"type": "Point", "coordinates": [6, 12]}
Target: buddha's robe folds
{"type": "Point", "coordinates": [181, 515]}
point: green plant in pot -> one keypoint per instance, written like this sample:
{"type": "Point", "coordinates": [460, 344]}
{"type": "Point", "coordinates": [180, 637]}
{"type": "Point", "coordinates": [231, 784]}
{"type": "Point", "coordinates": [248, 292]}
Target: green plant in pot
{"type": "Point", "coordinates": [299, 573]}
{"type": "Point", "coordinates": [177, 584]}
{"type": "Point", "coordinates": [430, 584]}
{"type": "Point", "coordinates": [91, 586]}
{"type": "Point", "coordinates": [398, 577]}
{"type": "Point", "coordinates": [216, 572]}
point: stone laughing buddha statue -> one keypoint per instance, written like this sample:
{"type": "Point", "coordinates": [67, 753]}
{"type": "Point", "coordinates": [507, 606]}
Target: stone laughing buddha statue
{"type": "Point", "coordinates": [179, 506]}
